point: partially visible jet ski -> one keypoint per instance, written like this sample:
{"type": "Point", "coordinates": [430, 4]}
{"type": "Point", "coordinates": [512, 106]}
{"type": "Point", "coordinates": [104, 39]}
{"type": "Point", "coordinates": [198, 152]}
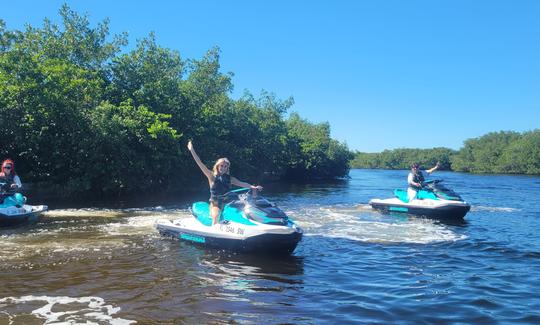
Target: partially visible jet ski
{"type": "Point", "coordinates": [14, 211]}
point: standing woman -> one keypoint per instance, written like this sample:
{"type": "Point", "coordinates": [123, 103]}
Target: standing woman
{"type": "Point", "coordinates": [219, 181]}
{"type": "Point", "coordinates": [9, 177]}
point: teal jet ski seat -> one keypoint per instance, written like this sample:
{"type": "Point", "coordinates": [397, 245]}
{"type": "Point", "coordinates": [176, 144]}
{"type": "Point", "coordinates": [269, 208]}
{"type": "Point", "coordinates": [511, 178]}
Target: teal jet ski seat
{"type": "Point", "coordinates": [421, 195]}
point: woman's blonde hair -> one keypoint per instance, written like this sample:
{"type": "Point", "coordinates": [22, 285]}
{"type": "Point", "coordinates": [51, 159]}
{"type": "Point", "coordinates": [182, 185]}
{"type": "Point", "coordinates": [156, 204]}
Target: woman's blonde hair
{"type": "Point", "coordinates": [218, 162]}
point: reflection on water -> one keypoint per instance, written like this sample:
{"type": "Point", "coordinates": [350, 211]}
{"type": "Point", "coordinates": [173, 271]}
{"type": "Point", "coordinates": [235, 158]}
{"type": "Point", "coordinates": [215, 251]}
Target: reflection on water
{"type": "Point", "coordinates": [354, 265]}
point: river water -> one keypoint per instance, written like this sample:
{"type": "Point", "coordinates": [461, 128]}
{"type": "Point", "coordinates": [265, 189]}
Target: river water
{"type": "Point", "coordinates": [110, 266]}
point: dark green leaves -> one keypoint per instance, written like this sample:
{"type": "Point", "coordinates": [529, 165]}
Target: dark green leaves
{"type": "Point", "coordinates": [82, 118]}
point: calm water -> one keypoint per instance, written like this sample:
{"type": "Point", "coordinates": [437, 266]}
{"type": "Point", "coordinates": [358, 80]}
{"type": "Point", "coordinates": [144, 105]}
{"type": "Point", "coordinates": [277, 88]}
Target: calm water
{"type": "Point", "coordinates": [109, 266]}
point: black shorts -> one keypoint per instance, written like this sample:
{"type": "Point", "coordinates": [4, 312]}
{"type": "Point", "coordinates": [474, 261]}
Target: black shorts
{"type": "Point", "coordinates": [217, 201]}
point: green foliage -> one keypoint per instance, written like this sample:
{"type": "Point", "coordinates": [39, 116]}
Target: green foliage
{"type": "Point", "coordinates": [311, 151]}
{"type": "Point", "coordinates": [523, 156]}
{"type": "Point", "coordinates": [149, 75]}
{"type": "Point", "coordinates": [76, 42]}
{"type": "Point", "coordinates": [6, 37]}
{"type": "Point", "coordinates": [43, 104]}
{"type": "Point", "coordinates": [500, 152]}
{"type": "Point", "coordinates": [259, 134]}
{"type": "Point", "coordinates": [403, 158]}
{"type": "Point", "coordinates": [80, 117]}
{"type": "Point", "coordinates": [137, 148]}
{"type": "Point", "coordinates": [497, 152]}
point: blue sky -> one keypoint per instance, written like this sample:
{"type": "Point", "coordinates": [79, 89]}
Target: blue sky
{"type": "Point", "coordinates": [384, 74]}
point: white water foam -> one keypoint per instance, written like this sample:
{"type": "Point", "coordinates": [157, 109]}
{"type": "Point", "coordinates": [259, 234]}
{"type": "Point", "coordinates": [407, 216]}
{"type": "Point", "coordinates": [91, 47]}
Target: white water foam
{"type": "Point", "coordinates": [134, 222]}
{"type": "Point", "coordinates": [67, 310]}
{"type": "Point", "coordinates": [368, 226]}
{"type": "Point", "coordinates": [142, 225]}
{"type": "Point", "coordinates": [108, 213]}
{"type": "Point", "coordinates": [78, 235]}
{"type": "Point", "coordinates": [493, 209]}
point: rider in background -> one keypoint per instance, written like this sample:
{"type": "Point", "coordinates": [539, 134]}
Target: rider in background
{"type": "Point", "coordinates": [219, 181]}
{"type": "Point", "coordinates": [416, 178]}
{"type": "Point", "coordinates": [9, 177]}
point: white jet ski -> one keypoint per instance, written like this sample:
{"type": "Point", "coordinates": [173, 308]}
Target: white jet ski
{"type": "Point", "coordinates": [247, 224]}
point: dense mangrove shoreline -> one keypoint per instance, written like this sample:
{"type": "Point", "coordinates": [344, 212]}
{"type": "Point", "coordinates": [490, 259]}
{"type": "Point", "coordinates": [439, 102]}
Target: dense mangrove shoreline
{"type": "Point", "coordinates": [504, 152]}
{"type": "Point", "coordinates": [82, 115]}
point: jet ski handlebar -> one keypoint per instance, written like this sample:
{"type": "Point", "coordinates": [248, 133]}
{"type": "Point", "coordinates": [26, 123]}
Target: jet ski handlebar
{"type": "Point", "coordinates": [431, 181]}
{"type": "Point", "coordinates": [5, 189]}
{"type": "Point", "coordinates": [242, 193]}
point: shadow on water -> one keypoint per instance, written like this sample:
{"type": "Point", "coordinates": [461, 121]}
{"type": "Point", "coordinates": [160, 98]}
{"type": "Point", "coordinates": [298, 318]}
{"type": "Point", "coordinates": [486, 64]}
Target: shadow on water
{"type": "Point", "coordinates": [307, 187]}
{"type": "Point", "coordinates": [178, 198]}
{"type": "Point", "coordinates": [246, 263]}
{"type": "Point", "coordinates": [139, 200]}
{"type": "Point", "coordinates": [272, 264]}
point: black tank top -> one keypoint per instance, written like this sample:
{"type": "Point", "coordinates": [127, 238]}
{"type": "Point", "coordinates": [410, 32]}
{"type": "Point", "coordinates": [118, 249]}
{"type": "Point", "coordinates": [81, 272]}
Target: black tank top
{"type": "Point", "coordinates": [221, 185]}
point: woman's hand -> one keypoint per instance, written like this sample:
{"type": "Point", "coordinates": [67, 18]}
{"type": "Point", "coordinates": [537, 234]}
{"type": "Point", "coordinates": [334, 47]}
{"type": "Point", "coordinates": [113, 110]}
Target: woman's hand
{"type": "Point", "coordinates": [190, 145]}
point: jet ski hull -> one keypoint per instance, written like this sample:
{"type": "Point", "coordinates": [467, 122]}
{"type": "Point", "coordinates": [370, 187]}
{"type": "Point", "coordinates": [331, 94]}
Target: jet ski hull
{"type": "Point", "coordinates": [440, 209]}
{"type": "Point", "coordinates": [13, 216]}
{"type": "Point", "coordinates": [234, 236]}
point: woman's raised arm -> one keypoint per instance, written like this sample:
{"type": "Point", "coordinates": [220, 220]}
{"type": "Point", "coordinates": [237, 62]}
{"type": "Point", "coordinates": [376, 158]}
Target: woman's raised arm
{"type": "Point", "coordinates": [203, 168]}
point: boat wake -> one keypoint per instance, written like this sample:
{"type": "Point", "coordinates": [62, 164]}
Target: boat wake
{"type": "Point", "coordinates": [66, 235]}
{"type": "Point", "coordinates": [109, 213]}
{"type": "Point", "coordinates": [493, 209]}
{"type": "Point", "coordinates": [69, 234]}
{"type": "Point", "coordinates": [363, 224]}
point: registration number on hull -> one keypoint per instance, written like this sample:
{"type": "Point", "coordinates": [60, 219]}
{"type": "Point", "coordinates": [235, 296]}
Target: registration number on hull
{"type": "Point", "coordinates": [231, 229]}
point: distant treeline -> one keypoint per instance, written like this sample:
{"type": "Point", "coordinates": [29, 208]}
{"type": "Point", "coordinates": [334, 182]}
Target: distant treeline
{"type": "Point", "coordinates": [403, 158]}
{"type": "Point", "coordinates": [79, 114]}
{"type": "Point", "coordinates": [497, 152]}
